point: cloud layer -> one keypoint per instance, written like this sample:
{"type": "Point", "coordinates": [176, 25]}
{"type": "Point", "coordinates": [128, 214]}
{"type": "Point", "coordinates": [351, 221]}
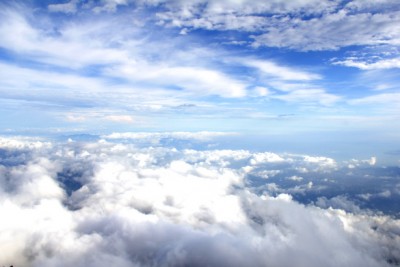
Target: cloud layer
{"type": "Point", "coordinates": [107, 203]}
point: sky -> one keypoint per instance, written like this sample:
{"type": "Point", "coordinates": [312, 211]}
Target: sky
{"type": "Point", "coordinates": [199, 133]}
{"type": "Point", "coordinates": [278, 67]}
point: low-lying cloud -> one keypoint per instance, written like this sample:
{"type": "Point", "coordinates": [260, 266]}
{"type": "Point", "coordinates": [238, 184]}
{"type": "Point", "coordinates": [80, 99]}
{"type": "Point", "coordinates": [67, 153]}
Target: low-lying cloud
{"type": "Point", "coordinates": [103, 203]}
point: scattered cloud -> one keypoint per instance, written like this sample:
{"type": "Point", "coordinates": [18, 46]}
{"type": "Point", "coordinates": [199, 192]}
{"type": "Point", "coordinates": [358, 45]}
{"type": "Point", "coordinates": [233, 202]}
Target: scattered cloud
{"type": "Point", "coordinates": [116, 67]}
{"type": "Point", "coordinates": [353, 163]}
{"type": "Point", "coordinates": [384, 98]}
{"type": "Point", "coordinates": [200, 81]}
{"type": "Point", "coordinates": [381, 64]}
{"type": "Point", "coordinates": [69, 7]}
{"type": "Point", "coordinates": [270, 68]}
{"type": "Point", "coordinates": [295, 178]}
{"type": "Point", "coordinates": [120, 118]}
{"type": "Point", "coordinates": [74, 118]}
{"type": "Point", "coordinates": [284, 24]}
{"type": "Point", "coordinates": [330, 32]}
{"type": "Point", "coordinates": [310, 96]}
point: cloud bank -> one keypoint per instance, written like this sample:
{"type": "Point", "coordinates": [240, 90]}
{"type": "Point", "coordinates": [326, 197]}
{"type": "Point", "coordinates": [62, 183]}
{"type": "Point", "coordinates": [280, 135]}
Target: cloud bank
{"type": "Point", "coordinates": [105, 203]}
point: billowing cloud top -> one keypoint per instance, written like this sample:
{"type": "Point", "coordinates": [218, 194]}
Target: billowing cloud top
{"type": "Point", "coordinates": [103, 203]}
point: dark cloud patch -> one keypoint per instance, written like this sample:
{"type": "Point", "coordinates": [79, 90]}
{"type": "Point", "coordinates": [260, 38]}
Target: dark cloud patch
{"type": "Point", "coordinates": [370, 187]}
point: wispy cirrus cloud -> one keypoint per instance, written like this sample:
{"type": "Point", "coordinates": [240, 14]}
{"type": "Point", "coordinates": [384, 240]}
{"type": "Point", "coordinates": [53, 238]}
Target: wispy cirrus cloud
{"type": "Point", "coordinates": [392, 63]}
{"type": "Point", "coordinates": [126, 67]}
{"type": "Point", "coordinates": [97, 48]}
{"type": "Point", "coordinates": [283, 73]}
{"type": "Point", "coordinates": [117, 65]}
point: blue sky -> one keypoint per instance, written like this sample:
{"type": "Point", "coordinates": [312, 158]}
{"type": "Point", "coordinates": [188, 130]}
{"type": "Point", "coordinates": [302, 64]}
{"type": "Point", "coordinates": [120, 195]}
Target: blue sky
{"type": "Point", "coordinates": [279, 67]}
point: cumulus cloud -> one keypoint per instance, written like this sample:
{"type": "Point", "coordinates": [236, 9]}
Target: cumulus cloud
{"type": "Point", "coordinates": [107, 203]}
{"type": "Point", "coordinates": [338, 202]}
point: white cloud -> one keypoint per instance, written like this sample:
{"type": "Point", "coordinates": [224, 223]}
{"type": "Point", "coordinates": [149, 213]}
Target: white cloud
{"type": "Point", "coordinates": [372, 161]}
{"type": "Point", "coordinates": [322, 160]}
{"type": "Point", "coordinates": [201, 81]}
{"type": "Point", "coordinates": [379, 5]}
{"type": "Point", "coordinates": [270, 68]}
{"type": "Point", "coordinates": [380, 64]}
{"type": "Point", "coordinates": [371, 22]}
{"type": "Point", "coordinates": [126, 62]}
{"type": "Point", "coordinates": [60, 48]}
{"type": "Point", "coordinates": [114, 54]}
{"type": "Point", "coordinates": [386, 98]}
{"type": "Point", "coordinates": [330, 32]}
{"type": "Point", "coordinates": [70, 7]}
{"type": "Point", "coordinates": [338, 202]}
{"type": "Point", "coordinates": [310, 96]}
{"type": "Point", "coordinates": [109, 5]}
{"type": "Point", "coordinates": [383, 86]}
{"type": "Point", "coordinates": [260, 91]}
{"type": "Point", "coordinates": [295, 178]}
{"type": "Point", "coordinates": [76, 98]}
{"type": "Point", "coordinates": [232, 15]}
{"type": "Point", "coordinates": [120, 118]}
{"type": "Point", "coordinates": [21, 143]}
{"type": "Point", "coordinates": [45, 83]}
{"type": "Point", "coordinates": [165, 207]}
{"type": "Point", "coordinates": [259, 158]}
{"type": "Point", "coordinates": [74, 118]}
{"type": "Point", "coordinates": [353, 163]}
